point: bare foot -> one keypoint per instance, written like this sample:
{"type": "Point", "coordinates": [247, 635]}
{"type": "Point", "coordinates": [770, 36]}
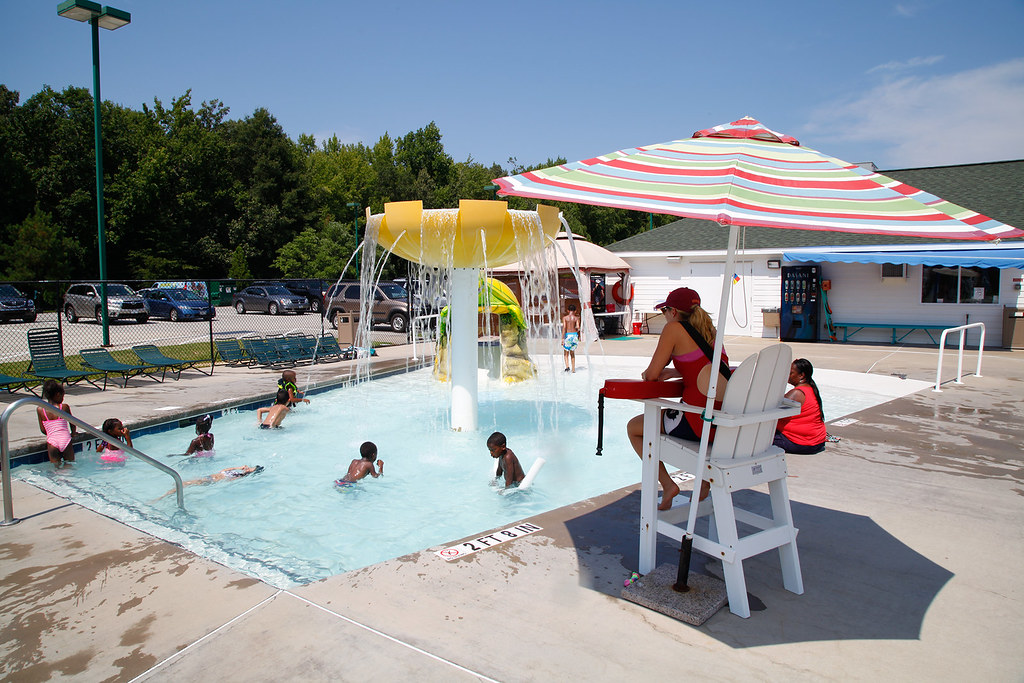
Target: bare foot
{"type": "Point", "coordinates": [705, 489]}
{"type": "Point", "coordinates": [666, 497]}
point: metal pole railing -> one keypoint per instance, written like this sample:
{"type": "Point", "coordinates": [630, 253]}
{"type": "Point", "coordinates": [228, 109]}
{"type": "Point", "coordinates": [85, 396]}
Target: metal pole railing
{"type": "Point", "coordinates": [5, 461]}
{"type": "Point", "coordinates": [962, 329]}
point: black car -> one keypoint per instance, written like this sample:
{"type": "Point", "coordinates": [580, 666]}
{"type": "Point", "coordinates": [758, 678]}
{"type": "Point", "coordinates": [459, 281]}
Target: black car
{"type": "Point", "coordinates": [14, 304]}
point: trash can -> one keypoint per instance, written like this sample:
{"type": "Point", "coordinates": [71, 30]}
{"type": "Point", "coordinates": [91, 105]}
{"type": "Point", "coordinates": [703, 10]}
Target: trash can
{"type": "Point", "coordinates": [638, 328]}
{"type": "Point", "coordinates": [1013, 327]}
{"type": "Point", "coordinates": [347, 323]}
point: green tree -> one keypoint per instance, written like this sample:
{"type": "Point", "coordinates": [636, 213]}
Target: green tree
{"type": "Point", "coordinates": [318, 254]}
{"type": "Point", "coordinates": [239, 268]}
{"type": "Point", "coordinates": [38, 250]}
{"type": "Point", "coordinates": [270, 187]}
{"type": "Point", "coordinates": [170, 201]}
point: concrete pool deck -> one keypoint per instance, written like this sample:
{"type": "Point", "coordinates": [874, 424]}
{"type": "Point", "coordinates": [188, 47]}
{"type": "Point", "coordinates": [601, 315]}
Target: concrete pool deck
{"type": "Point", "coordinates": [910, 544]}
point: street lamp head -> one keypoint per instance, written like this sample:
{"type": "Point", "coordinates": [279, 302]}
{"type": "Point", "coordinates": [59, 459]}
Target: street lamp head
{"type": "Point", "coordinates": [113, 18]}
{"type": "Point", "coordinates": [79, 10]}
{"type": "Point", "coordinates": [109, 18]}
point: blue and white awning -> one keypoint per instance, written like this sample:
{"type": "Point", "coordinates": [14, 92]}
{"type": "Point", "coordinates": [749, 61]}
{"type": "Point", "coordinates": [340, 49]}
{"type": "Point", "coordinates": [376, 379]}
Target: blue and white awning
{"type": "Point", "coordinates": [974, 258]}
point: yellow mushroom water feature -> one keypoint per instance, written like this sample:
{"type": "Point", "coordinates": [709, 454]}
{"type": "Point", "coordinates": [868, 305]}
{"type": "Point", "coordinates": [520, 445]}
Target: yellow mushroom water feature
{"type": "Point", "coordinates": [477, 235]}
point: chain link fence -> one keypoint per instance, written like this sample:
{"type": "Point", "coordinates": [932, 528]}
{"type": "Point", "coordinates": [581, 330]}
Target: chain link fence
{"type": "Point", "coordinates": [175, 316]}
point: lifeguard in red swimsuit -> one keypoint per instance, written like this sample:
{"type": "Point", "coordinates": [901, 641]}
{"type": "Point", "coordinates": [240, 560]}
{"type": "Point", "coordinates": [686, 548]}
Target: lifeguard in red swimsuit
{"type": "Point", "coordinates": [689, 362]}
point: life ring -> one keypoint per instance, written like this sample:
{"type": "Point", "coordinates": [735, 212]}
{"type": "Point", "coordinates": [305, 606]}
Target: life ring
{"type": "Point", "coordinates": [617, 293]}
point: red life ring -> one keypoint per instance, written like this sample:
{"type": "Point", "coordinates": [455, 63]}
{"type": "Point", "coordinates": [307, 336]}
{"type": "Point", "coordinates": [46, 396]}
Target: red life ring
{"type": "Point", "coordinates": [617, 293]}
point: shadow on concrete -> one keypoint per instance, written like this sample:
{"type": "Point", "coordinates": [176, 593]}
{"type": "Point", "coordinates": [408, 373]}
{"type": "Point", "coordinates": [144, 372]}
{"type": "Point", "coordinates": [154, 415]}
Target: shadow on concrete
{"type": "Point", "coordinates": [860, 582]}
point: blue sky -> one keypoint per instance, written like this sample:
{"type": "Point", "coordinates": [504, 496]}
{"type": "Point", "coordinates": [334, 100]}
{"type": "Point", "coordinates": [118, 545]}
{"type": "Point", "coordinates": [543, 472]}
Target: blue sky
{"type": "Point", "coordinates": [903, 84]}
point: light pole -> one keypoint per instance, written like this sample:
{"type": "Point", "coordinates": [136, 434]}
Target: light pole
{"type": "Point", "coordinates": [355, 229]}
{"type": "Point", "coordinates": [110, 19]}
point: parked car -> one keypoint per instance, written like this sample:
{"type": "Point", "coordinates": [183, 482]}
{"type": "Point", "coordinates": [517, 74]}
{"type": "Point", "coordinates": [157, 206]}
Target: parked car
{"type": "Point", "coordinates": [390, 303]}
{"type": "Point", "coordinates": [176, 304]}
{"type": "Point", "coordinates": [311, 290]}
{"type": "Point", "coordinates": [83, 301]}
{"type": "Point", "coordinates": [272, 299]}
{"type": "Point", "coordinates": [14, 304]}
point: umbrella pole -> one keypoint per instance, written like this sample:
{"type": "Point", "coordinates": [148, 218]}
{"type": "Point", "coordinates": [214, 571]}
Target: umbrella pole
{"type": "Point", "coordinates": [709, 408]}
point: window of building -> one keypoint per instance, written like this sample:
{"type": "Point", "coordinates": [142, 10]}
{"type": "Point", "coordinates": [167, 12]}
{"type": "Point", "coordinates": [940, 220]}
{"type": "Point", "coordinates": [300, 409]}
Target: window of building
{"type": "Point", "coordinates": [959, 285]}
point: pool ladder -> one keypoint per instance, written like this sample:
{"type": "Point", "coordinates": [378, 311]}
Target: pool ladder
{"type": "Point", "coordinates": [5, 460]}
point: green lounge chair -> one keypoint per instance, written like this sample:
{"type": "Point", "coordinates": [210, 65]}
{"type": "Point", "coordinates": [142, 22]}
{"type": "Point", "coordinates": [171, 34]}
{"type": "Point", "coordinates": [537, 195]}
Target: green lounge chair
{"type": "Point", "coordinates": [329, 348]}
{"type": "Point", "coordinates": [10, 383]}
{"type": "Point", "coordinates": [263, 352]}
{"type": "Point", "coordinates": [103, 361]}
{"type": "Point", "coordinates": [151, 355]}
{"type": "Point", "coordinates": [231, 352]}
{"type": "Point", "coordinates": [46, 348]}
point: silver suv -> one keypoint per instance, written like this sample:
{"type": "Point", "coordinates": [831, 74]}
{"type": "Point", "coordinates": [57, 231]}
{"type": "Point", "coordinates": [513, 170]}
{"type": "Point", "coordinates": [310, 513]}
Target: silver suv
{"type": "Point", "coordinates": [83, 301]}
{"type": "Point", "coordinates": [390, 303]}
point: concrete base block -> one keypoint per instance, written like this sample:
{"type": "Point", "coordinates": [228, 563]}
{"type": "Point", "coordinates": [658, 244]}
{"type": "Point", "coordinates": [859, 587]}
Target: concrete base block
{"type": "Point", "coordinates": [654, 591]}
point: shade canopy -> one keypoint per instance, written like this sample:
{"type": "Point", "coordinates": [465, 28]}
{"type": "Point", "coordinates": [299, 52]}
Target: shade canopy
{"type": "Point", "coordinates": [743, 173]}
{"type": "Point", "coordinates": [589, 256]}
{"type": "Point", "coordinates": [968, 258]}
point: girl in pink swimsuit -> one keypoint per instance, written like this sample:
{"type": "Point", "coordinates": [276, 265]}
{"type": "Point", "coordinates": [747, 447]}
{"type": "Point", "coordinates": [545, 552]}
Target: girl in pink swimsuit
{"type": "Point", "coordinates": [110, 454]}
{"type": "Point", "coordinates": [58, 432]}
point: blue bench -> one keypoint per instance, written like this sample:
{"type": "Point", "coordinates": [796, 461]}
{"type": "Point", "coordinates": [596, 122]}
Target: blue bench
{"type": "Point", "coordinates": [850, 329]}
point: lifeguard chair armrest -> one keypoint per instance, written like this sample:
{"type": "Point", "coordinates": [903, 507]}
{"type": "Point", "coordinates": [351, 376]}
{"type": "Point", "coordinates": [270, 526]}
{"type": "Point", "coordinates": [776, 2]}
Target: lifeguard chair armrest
{"type": "Point", "coordinates": [788, 409]}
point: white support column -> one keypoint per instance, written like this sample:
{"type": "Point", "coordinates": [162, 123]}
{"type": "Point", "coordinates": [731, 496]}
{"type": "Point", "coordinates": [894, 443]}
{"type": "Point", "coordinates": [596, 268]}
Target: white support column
{"type": "Point", "coordinates": [462, 347]}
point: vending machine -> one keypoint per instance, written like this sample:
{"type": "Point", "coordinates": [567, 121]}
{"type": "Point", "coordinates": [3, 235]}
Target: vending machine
{"type": "Point", "coordinates": [800, 303]}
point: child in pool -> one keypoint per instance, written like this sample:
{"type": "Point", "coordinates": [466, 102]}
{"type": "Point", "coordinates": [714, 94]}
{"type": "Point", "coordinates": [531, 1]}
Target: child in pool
{"type": "Point", "coordinates": [203, 443]}
{"type": "Point", "coordinates": [226, 473]}
{"type": "Point", "coordinates": [274, 414]}
{"type": "Point", "coordinates": [362, 466]}
{"type": "Point", "coordinates": [109, 453]}
{"type": "Point", "coordinates": [57, 429]}
{"type": "Point", "coordinates": [287, 382]}
{"type": "Point", "coordinates": [508, 463]}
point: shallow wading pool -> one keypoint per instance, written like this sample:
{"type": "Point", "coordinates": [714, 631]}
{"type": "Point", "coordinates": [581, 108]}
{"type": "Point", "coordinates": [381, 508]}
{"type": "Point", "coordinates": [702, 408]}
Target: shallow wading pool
{"type": "Point", "coordinates": [290, 525]}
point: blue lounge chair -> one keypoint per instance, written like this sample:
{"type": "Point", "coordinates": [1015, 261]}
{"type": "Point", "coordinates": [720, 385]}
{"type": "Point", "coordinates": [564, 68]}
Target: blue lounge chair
{"type": "Point", "coordinates": [231, 352]}
{"type": "Point", "coordinates": [103, 361]}
{"type": "Point", "coordinates": [151, 355]}
{"type": "Point", "coordinates": [46, 348]}
{"type": "Point", "coordinates": [263, 352]}
{"type": "Point", "coordinates": [10, 383]}
{"type": "Point", "coordinates": [328, 348]}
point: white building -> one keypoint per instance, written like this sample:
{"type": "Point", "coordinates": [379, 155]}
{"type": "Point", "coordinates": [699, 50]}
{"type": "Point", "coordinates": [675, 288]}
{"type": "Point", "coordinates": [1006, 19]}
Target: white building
{"type": "Point", "coordinates": [931, 282]}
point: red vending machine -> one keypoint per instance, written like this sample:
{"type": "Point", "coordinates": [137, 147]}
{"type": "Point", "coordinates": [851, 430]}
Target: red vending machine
{"type": "Point", "coordinates": [799, 309]}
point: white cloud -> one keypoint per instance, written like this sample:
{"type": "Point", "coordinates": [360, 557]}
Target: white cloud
{"type": "Point", "coordinates": [905, 10]}
{"type": "Point", "coordinates": [966, 117]}
{"type": "Point", "coordinates": [908, 65]}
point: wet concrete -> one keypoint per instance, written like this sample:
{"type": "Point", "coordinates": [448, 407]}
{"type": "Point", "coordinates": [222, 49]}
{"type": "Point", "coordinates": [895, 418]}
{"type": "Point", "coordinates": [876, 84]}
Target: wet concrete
{"type": "Point", "coordinates": [910, 542]}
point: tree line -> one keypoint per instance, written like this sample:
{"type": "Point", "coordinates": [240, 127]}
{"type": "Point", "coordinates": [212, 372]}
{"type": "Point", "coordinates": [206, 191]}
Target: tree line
{"type": "Point", "coordinates": [191, 193]}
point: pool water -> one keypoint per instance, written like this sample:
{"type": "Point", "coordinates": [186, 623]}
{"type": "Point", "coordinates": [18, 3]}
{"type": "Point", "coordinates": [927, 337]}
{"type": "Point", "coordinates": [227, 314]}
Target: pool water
{"type": "Point", "coordinates": [290, 525]}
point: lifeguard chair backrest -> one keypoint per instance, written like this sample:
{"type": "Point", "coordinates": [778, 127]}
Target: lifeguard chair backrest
{"type": "Point", "coordinates": [759, 383]}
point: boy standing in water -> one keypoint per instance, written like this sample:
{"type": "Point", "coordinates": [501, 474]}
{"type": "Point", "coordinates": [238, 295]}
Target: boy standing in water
{"type": "Point", "coordinates": [275, 413]}
{"type": "Point", "coordinates": [508, 463]}
{"type": "Point", "coordinates": [362, 466]}
{"type": "Point", "coordinates": [570, 335]}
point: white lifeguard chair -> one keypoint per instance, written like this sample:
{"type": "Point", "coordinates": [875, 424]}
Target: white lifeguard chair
{"type": "Point", "coordinates": [741, 456]}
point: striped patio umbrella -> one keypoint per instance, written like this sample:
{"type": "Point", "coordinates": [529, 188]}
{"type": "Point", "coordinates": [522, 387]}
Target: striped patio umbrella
{"type": "Point", "coordinates": [741, 174]}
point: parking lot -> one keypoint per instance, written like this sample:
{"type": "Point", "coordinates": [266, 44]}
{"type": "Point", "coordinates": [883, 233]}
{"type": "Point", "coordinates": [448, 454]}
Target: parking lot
{"type": "Point", "coordinates": [124, 334]}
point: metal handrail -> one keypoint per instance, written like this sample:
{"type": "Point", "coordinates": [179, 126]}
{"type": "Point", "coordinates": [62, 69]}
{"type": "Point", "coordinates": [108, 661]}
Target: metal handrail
{"type": "Point", "coordinates": [5, 460]}
{"type": "Point", "coordinates": [962, 329]}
